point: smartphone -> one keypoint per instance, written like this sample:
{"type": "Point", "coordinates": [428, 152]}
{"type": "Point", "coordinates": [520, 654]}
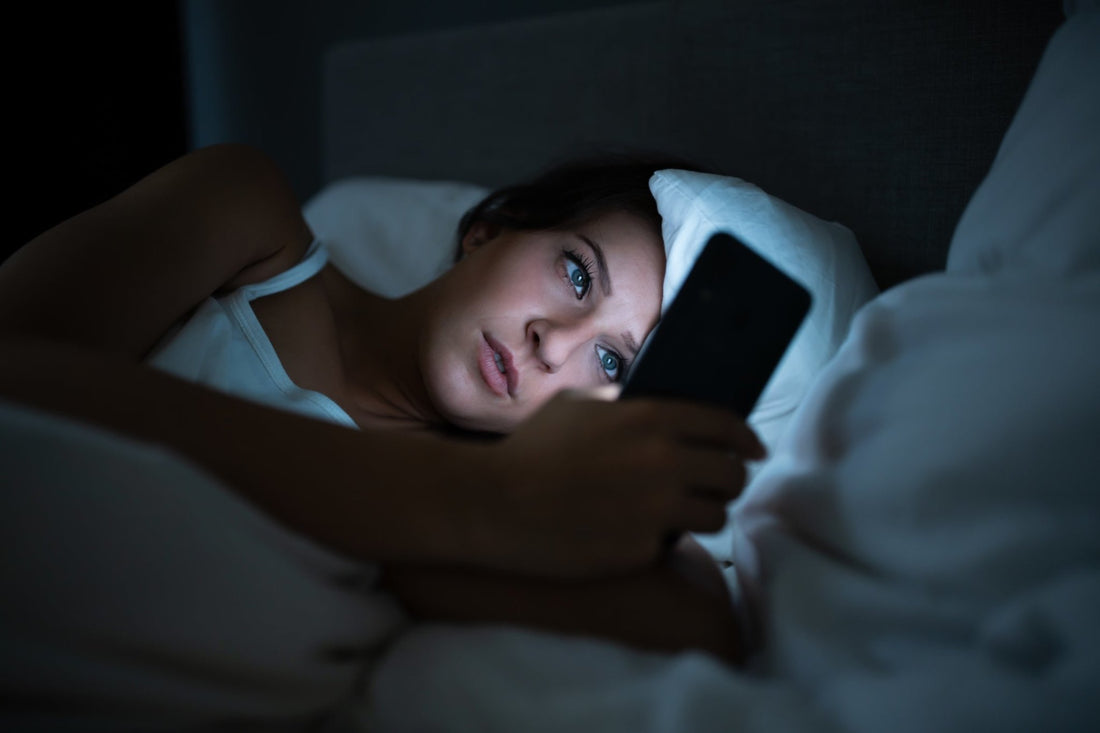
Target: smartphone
{"type": "Point", "coordinates": [723, 335]}
{"type": "Point", "coordinates": [725, 332]}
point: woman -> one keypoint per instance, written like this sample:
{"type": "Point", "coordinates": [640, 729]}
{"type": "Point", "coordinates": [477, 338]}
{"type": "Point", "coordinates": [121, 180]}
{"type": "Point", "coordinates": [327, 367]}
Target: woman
{"type": "Point", "coordinates": [555, 525]}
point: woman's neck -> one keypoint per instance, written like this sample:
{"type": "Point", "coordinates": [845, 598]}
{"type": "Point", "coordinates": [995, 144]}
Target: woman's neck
{"type": "Point", "coordinates": [379, 351]}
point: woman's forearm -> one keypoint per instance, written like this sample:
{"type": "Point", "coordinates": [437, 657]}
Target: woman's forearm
{"type": "Point", "coordinates": [680, 603]}
{"type": "Point", "coordinates": [327, 482]}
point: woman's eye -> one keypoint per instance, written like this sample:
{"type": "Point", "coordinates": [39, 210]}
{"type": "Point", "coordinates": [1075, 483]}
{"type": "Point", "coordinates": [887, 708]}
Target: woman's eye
{"type": "Point", "coordinates": [610, 362]}
{"type": "Point", "coordinates": [577, 275]}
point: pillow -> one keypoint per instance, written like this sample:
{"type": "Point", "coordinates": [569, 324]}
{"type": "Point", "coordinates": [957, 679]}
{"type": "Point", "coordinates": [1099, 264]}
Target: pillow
{"type": "Point", "coordinates": [932, 530]}
{"type": "Point", "coordinates": [1044, 174]}
{"type": "Point", "coordinates": [390, 235]}
{"type": "Point", "coordinates": [823, 256]}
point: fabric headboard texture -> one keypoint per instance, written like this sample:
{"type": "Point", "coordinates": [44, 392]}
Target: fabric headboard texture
{"type": "Point", "coordinates": [883, 116]}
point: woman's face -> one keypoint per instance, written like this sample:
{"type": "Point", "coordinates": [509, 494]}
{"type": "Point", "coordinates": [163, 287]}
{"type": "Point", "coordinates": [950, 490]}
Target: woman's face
{"type": "Point", "coordinates": [526, 314]}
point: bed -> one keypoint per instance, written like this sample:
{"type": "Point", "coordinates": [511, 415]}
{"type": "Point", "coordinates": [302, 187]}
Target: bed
{"type": "Point", "coordinates": [920, 552]}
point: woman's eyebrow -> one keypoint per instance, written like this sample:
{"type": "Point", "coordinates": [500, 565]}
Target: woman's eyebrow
{"type": "Point", "coordinates": [631, 344]}
{"type": "Point", "coordinates": [602, 273]}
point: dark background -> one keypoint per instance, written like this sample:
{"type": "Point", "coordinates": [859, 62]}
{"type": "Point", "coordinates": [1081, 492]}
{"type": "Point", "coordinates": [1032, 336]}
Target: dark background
{"type": "Point", "coordinates": [101, 95]}
{"type": "Point", "coordinates": [97, 100]}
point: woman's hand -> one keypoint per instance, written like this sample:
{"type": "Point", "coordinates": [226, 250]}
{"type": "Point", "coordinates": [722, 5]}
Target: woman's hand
{"type": "Point", "coordinates": [590, 486]}
{"type": "Point", "coordinates": [679, 603]}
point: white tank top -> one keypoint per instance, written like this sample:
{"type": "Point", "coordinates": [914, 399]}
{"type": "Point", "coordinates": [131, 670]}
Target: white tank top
{"type": "Point", "coordinates": [224, 347]}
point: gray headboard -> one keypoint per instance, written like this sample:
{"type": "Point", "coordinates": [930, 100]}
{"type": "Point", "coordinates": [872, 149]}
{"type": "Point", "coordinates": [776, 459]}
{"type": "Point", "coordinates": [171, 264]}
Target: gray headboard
{"type": "Point", "coordinates": [883, 115]}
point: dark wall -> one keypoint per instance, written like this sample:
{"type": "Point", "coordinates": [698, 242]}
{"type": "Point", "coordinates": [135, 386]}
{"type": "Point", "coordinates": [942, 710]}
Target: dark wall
{"type": "Point", "coordinates": [97, 99]}
{"type": "Point", "coordinates": [103, 94]}
{"type": "Point", "coordinates": [256, 65]}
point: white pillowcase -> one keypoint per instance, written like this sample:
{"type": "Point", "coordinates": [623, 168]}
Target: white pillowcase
{"type": "Point", "coordinates": [391, 235]}
{"type": "Point", "coordinates": [1044, 174]}
{"type": "Point", "coordinates": [823, 256]}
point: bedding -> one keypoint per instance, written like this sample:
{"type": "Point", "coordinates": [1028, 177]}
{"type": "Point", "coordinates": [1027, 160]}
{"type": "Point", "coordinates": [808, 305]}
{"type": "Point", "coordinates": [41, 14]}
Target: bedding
{"type": "Point", "coordinates": [140, 593]}
{"type": "Point", "coordinates": [823, 256]}
{"type": "Point", "coordinates": [390, 235]}
{"type": "Point", "coordinates": [923, 551]}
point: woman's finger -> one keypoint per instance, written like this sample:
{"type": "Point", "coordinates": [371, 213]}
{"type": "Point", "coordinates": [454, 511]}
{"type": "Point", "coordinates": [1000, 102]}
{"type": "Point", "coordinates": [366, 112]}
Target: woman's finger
{"type": "Point", "coordinates": [714, 474]}
{"type": "Point", "coordinates": [708, 425]}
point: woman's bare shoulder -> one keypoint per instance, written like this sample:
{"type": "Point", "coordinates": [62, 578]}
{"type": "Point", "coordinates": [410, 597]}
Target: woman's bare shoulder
{"type": "Point", "coordinates": [118, 275]}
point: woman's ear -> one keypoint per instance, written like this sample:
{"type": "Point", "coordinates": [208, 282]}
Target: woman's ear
{"type": "Point", "coordinates": [478, 234]}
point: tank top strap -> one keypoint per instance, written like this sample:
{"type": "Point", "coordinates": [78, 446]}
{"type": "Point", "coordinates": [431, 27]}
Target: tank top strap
{"type": "Point", "coordinates": [311, 263]}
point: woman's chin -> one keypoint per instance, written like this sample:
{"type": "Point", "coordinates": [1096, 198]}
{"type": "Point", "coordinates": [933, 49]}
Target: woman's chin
{"type": "Point", "coordinates": [466, 403]}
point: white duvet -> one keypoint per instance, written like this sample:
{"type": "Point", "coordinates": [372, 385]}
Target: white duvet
{"type": "Point", "coordinates": [936, 573]}
{"type": "Point", "coordinates": [924, 550]}
{"type": "Point", "coordinates": [139, 593]}
{"type": "Point", "coordinates": [923, 553]}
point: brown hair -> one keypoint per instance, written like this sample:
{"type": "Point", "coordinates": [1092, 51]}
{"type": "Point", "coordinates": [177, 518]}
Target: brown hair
{"type": "Point", "coordinates": [576, 191]}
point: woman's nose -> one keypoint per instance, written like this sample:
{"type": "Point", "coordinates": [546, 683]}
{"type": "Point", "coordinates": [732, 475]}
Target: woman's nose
{"type": "Point", "coordinates": [554, 342]}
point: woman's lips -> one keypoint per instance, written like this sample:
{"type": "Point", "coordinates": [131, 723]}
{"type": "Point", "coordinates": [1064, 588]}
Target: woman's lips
{"type": "Point", "coordinates": [502, 383]}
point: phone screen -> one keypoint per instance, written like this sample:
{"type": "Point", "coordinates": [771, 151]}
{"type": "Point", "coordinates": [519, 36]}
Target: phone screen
{"type": "Point", "coordinates": [725, 332]}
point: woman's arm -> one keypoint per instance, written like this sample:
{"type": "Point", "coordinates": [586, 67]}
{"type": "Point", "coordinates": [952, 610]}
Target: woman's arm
{"type": "Point", "coordinates": [374, 496]}
{"type": "Point", "coordinates": [407, 498]}
{"type": "Point", "coordinates": [116, 277]}
{"type": "Point", "coordinates": [82, 304]}
{"type": "Point", "coordinates": [679, 603]}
